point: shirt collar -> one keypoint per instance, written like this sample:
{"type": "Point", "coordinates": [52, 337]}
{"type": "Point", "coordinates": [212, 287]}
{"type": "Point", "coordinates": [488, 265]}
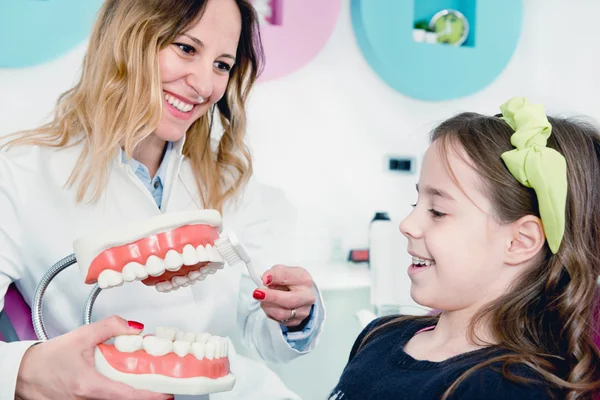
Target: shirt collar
{"type": "Point", "coordinates": [162, 169]}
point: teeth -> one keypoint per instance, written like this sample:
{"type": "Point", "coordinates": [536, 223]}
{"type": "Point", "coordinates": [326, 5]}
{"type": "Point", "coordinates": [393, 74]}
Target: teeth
{"type": "Point", "coordinates": [109, 278]}
{"type": "Point", "coordinates": [178, 104]}
{"type": "Point", "coordinates": [209, 350]}
{"type": "Point", "coordinates": [202, 337]}
{"type": "Point", "coordinates": [133, 271]}
{"type": "Point", "coordinates": [180, 280]}
{"type": "Point", "coordinates": [173, 260]}
{"type": "Point", "coordinates": [213, 254]}
{"type": "Point", "coordinates": [182, 348]}
{"type": "Point", "coordinates": [201, 253]}
{"type": "Point", "coordinates": [421, 261]}
{"type": "Point", "coordinates": [198, 350]}
{"type": "Point", "coordinates": [166, 332]}
{"type": "Point", "coordinates": [155, 266]}
{"type": "Point", "coordinates": [129, 343]}
{"type": "Point", "coordinates": [194, 275]}
{"type": "Point", "coordinates": [157, 346]}
{"type": "Point", "coordinates": [163, 287]}
{"type": "Point", "coordinates": [189, 255]}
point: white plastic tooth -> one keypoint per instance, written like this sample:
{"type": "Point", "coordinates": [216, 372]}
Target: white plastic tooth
{"type": "Point", "coordinates": [179, 280]}
{"type": "Point", "coordinates": [218, 348]}
{"type": "Point", "coordinates": [164, 286]}
{"type": "Point", "coordinates": [166, 332]}
{"type": "Point", "coordinates": [226, 348]}
{"type": "Point", "coordinates": [213, 254]}
{"type": "Point", "coordinates": [202, 337]}
{"type": "Point", "coordinates": [157, 346]}
{"type": "Point", "coordinates": [129, 343]}
{"type": "Point", "coordinates": [193, 275]}
{"type": "Point", "coordinates": [182, 348]}
{"type": "Point", "coordinates": [211, 268]}
{"type": "Point", "coordinates": [189, 337]}
{"type": "Point", "coordinates": [189, 255]}
{"type": "Point", "coordinates": [173, 260]}
{"type": "Point", "coordinates": [109, 278]}
{"type": "Point", "coordinates": [155, 266]}
{"type": "Point", "coordinates": [129, 272]}
{"type": "Point", "coordinates": [209, 350]}
{"type": "Point", "coordinates": [198, 350]}
{"type": "Point", "coordinates": [179, 335]}
{"type": "Point", "coordinates": [201, 253]}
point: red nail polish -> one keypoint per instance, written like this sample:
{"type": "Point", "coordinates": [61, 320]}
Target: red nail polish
{"type": "Point", "coordinates": [259, 295]}
{"type": "Point", "coordinates": [269, 279]}
{"type": "Point", "coordinates": [135, 325]}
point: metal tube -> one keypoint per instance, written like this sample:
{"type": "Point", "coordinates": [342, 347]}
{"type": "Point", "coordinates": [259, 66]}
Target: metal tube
{"type": "Point", "coordinates": [36, 309]}
{"type": "Point", "coordinates": [87, 315]}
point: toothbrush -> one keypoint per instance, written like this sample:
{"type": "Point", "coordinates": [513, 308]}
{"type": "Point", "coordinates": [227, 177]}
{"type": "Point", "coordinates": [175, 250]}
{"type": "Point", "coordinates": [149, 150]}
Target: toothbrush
{"type": "Point", "coordinates": [233, 252]}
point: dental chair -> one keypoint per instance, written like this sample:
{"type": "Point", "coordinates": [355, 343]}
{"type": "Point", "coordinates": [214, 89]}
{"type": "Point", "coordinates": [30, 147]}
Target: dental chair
{"type": "Point", "coordinates": [15, 318]}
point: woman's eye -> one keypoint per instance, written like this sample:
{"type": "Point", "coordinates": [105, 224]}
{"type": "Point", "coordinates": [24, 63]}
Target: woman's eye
{"type": "Point", "coordinates": [436, 214]}
{"type": "Point", "coordinates": [187, 49]}
{"type": "Point", "coordinates": [223, 66]}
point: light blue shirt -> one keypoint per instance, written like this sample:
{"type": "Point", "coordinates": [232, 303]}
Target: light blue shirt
{"type": "Point", "coordinates": [297, 340]}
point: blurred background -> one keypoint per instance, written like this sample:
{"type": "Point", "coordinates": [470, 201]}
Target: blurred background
{"type": "Point", "coordinates": [340, 119]}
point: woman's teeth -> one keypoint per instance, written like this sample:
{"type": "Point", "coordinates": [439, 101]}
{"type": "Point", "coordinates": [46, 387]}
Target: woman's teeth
{"type": "Point", "coordinates": [419, 262]}
{"type": "Point", "coordinates": [178, 104]}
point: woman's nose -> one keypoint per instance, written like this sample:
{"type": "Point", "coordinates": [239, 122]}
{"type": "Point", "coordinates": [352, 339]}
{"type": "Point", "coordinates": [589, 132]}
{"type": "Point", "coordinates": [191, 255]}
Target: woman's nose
{"type": "Point", "coordinates": [200, 79]}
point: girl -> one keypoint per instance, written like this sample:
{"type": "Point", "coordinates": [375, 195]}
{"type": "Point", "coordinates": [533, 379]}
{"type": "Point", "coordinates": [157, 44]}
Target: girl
{"type": "Point", "coordinates": [504, 240]}
{"type": "Point", "coordinates": [130, 141]}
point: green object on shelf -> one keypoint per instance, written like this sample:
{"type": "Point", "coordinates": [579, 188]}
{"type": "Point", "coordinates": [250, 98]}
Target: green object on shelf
{"type": "Point", "coordinates": [451, 27]}
{"type": "Point", "coordinates": [422, 24]}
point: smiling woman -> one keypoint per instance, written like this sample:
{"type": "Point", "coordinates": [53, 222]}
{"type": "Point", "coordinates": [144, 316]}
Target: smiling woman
{"type": "Point", "coordinates": [131, 141]}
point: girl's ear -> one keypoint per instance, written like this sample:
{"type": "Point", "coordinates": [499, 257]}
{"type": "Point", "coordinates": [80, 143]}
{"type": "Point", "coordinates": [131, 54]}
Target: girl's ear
{"type": "Point", "coordinates": [526, 241]}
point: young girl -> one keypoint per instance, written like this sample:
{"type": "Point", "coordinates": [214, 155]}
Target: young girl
{"type": "Point", "coordinates": [504, 240]}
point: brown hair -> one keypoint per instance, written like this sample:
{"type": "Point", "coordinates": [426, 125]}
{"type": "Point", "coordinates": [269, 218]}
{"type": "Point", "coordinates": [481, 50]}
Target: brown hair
{"type": "Point", "coordinates": [118, 99]}
{"type": "Point", "coordinates": [546, 319]}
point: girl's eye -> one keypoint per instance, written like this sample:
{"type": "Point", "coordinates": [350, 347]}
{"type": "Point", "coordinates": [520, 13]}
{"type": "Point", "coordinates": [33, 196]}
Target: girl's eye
{"type": "Point", "coordinates": [223, 66]}
{"type": "Point", "coordinates": [413, 205]}
{"type": "Point", "coordinates": [436, 214]}
{"type": "Point", "coordinates": [187, 49]}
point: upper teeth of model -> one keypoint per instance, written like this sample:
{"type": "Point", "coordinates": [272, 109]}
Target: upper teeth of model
{"type": "Point", "coordinates": [170, 340]}
{"type": "Point", "coordinates": [178, 104]}
{"type": "Point", "coordinates": [173, 261]}
{"type": "Point", "coordinates": [421, 261]}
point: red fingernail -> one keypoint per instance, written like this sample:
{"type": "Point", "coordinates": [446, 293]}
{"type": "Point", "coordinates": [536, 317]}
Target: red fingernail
{"type": "Point", "coordinates": [135, 325]}
{"type": "Point", "coordinates": [259, 295]}
{"type": "Point", "coordinates": [269, 279]}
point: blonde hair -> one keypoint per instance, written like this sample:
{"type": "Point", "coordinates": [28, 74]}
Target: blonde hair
{"type": "Point", "coordinates": [118, 99]}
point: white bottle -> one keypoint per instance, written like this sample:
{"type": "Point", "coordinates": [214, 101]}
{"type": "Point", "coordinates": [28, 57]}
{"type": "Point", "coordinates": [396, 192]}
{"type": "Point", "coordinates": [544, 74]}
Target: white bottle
{"type": "Point", "coordinates": [382, 264]}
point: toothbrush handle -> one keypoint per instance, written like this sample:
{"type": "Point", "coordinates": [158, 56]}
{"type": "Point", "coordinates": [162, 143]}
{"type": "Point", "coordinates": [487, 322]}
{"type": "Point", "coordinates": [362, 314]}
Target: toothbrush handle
{"type": "Point", "coordinates": [257, 280]}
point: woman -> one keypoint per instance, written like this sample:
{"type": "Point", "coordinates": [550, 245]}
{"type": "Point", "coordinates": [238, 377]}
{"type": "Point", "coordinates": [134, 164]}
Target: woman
{"type": "Point", "coordinates": [130, 141]}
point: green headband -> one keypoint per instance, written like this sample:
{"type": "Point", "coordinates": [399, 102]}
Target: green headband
{"type": "Point", "coordinates": [537, 166]}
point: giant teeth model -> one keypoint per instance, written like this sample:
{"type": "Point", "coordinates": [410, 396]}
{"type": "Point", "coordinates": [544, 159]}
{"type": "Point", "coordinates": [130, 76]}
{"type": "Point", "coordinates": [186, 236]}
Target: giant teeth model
{"type": "Point", "coordinates": [170, 361]}
{"type": "Point", "coordinates": [168, 251]}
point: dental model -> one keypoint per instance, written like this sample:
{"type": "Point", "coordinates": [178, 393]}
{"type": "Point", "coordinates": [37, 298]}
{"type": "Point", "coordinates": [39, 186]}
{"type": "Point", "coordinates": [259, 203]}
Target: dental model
{"type": "Point", "coordinates": [170, 361]}
{"type": "Point", "coordinates": [168, 251]}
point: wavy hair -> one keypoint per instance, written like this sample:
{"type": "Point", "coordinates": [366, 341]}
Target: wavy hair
{"type": "Point", "coordinates": [118, 99]}
{"type": "Point", "coordinates": [547, 320]}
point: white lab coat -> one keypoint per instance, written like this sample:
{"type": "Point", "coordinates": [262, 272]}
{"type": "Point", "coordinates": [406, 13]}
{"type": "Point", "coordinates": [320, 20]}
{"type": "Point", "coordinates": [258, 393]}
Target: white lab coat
{"type": "Point", "coordinates": [40, 219]}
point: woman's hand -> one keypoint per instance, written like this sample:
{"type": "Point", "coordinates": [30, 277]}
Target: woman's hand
{"type": "Point", "coordinates": [288, 296]}
{"type": "Point", "coordinates": [63, 367]}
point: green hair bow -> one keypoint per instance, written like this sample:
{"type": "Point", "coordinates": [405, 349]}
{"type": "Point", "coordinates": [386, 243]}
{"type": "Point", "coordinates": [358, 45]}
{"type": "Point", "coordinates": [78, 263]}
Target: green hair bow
{"type": "Point", "coordinates": [537, 166]}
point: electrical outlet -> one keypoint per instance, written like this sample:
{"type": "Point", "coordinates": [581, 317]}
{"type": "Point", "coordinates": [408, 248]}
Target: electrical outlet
{"type": "Point", "coordinates": [402, 164]}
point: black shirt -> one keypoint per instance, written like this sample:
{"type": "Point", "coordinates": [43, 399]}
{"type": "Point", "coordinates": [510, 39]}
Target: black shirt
{"type": "Point", "coordinates": [382, 370]}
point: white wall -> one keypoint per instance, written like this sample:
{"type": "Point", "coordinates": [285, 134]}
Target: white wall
{"type": "Point", "coordinates": [320, 135]}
